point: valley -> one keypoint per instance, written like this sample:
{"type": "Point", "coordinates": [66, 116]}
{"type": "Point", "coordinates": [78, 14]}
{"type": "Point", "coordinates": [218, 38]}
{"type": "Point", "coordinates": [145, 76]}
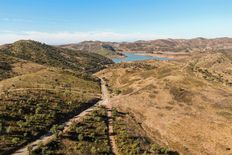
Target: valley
{"type": "Point", "coordinates": [160, 97]}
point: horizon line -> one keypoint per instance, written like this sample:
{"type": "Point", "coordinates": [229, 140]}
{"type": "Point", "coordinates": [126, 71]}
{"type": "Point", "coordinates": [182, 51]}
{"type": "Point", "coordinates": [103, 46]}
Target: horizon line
{"type": "Point", "coordinates": [60, 38]}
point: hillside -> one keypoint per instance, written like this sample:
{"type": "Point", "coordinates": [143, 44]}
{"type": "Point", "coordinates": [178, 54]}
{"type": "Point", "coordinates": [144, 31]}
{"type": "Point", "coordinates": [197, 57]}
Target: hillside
{"type": "Point", "coordinates": [55, 57]}
{"type": "Point", "coordinates": [42, 86]}
{"type": "Point", "coordinates": [98, 47]}
{"type": "Point", "coordinates": [185, 105]}
{"type": "Point", "coordinates": [178, 45]}
{"type": "Point", "coordinates": [148, 107]}
{"type": "Point", "coordinates": [32, 103]}
{"type": "Point", "coordinates": [168, 48]}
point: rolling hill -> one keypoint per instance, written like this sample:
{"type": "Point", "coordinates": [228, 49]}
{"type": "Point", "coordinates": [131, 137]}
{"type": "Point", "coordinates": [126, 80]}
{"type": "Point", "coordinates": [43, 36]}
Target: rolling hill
{"type": "Point", "coordinates": [56, 57]}
{"type": "Point", "coordinates": [98, 47]}
{"type": "Point", "coordinates": [156, 106]}
{"type": "Point", "coordinates": [185, 105]}
{"type": "Point", "coordinates": [177, 45]}
{"type": "Point", "coordinates": [42, 86]}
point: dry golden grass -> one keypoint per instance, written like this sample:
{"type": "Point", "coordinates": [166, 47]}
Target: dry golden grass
{"type": "Point", "coordinates": [176, 105]}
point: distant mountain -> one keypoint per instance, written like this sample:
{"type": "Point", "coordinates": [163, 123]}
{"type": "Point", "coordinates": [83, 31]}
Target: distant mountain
{"type": "Point", "coordinates": [112, 49]}
{"type": "Point", "coordinates": [102, 48]}
{"type": "Point", "coordinates": [55, 56]}
{"type": "Point", "coordinates": [177, 45]}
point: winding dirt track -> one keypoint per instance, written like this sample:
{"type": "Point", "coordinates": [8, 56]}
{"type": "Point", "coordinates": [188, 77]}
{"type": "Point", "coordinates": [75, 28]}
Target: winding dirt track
{"type": "Point", "coordinates": [49, 136]}
{"type": "Point", "coordinates": [106, 102]}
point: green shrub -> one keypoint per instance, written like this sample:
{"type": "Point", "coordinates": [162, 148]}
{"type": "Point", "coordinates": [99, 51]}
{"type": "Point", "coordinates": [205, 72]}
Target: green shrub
{"type": "Point", "coordinates": [117, 91]}
{"type": "Point", "coordinates": [80, 137]}
{"type": "Point", "coordinates": [79, 129]}
{"type": "Point", "coordinates": [9, 129]}
{"type": "Point", "coordinates": [55, 130]}
{"type": "Point", "coordinates": [163, 150]}
{"type": "Point", "coordinates": [38, 110]}
{"type": "Point", "coordinates": [15, 140]}
{"type": "Point", "coordinates": [93, 150]}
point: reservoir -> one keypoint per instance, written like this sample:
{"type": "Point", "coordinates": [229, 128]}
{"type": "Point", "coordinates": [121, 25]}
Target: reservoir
{"type": "Point", "coordinates": [129, 57]}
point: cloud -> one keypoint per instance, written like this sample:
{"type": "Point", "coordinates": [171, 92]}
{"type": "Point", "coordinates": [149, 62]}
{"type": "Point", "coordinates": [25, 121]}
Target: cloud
{"type": "Point", "coordinates": [15, 20]}
{"type": "Point", "coordinates": [73, 37]}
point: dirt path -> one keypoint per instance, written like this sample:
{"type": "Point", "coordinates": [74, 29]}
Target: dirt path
{"type": "Point", "coordinates": [49, 136]}
{"type": "Point", "coordinates": [106, 102]}
{"type": "Point", "coordinates": [48, 89]}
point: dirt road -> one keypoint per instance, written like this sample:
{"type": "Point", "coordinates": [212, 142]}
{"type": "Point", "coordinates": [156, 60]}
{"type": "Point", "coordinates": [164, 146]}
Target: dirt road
{"type": "Point", "coordinates": [49, 136]}
{"type": "Point", "coordinates": [106, 102]}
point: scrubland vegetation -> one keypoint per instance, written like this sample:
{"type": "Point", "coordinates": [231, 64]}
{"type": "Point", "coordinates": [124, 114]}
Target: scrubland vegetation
{"type": "Point", "coordinates": [160, 106]}
{"type": "Point", "coordinates": [42, 86]}
{"type": "Point", "coordinates": [175, 100]}
{"type": "Point", "coordinates": [55, 57]}
{"type": "Point", "coordinates": [132, 139]}
{"type": "Point", "coordinates": [28, 114]}
{"type": "Point", "coordinates": [89, 136]}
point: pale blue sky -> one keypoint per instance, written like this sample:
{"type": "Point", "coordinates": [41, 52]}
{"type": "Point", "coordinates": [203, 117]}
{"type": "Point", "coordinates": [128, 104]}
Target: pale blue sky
{"type": "Point", "coordinates": [64, 21]}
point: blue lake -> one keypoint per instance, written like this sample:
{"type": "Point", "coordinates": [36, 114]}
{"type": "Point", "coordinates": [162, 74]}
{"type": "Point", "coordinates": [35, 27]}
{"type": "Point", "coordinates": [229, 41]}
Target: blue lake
{"type": "Point", "coordinates": [136, 57]}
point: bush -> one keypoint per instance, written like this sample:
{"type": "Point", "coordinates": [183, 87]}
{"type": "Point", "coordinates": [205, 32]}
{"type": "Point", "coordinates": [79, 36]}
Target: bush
{"type": "Point", "coordinates": [93, 150]}
{"type": "Point", "coordinates": [154, 148]}
{"type": "Point", "coordinates": [117, 91]}
{"type": "Point", "coordinates": [79, 129]}
{"type": "Point", "coordinates": [38, 110]}
{"type": "Point", "coordinates": [9, 130]}
{"type": "Point", "coordinates": [114, 112]}
{"type": "Point", "coordinates": [15, 140]}
{"type": "Point", "coordinates": [55, 130]}
{"type": "Point", "coordinates": [80, 137]}
{"type": "Point", "coordinates": [163, 150]}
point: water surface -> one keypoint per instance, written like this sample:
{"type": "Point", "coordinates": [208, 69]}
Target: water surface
{"type": "Point", "coordinates": [136, 57]}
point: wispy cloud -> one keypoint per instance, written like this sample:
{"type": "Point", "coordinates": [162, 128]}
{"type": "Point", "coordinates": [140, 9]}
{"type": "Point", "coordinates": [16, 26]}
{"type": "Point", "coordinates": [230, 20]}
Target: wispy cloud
{"type": "Point", "coordinates": [73, 37]}
{"type": "Point", "coordinates": [6, 19]}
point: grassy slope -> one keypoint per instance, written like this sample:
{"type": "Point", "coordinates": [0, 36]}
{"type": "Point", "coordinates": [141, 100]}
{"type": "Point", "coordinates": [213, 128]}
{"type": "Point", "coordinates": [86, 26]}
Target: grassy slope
{"type": "Point", "coordinates": [31, 103]}
{"type": "Point", "coordinates": [56, 57]}
{"type": "Point", "coordinates": [90, 136]}
{"type": "Point", "coordinates": [41, 86]}
{"type": "Point", "coordinates": [131, 137]}
{"type": "Point", "coordinates": [178, 106]}
{"type": "Point", "coordinates": [94, 47]}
